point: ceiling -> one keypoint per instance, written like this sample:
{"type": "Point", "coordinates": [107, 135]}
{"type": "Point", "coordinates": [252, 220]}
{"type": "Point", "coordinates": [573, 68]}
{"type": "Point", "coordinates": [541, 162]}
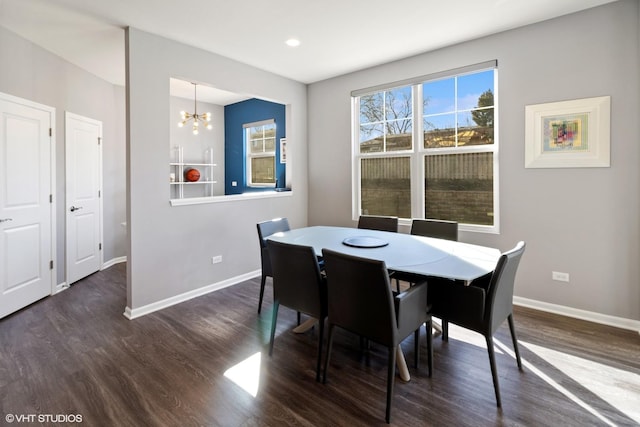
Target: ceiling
{"type": "Point", "coordinates": [336, 36]}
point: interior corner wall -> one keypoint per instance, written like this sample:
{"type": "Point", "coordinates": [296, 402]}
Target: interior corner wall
{"type": "Point", "coordinates": [30, 72]}
{"type": "Point", "coordinates": [583, 221]}
{"type": "Point", "coordinates": [170, 248]}
{"type": "Point", "coordinates": [235, 116]}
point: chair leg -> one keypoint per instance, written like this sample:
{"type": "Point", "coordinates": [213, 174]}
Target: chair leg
{"type": "Point", "coordinates": [416, 348]}
{"type": "Point", "coordinates": [298, 318]}
{"type": "Point", "coordinates": [494, 371]}
{"type": "Point", "coordinates": [391, 375]}
{"type": "Point", "coordinates": [430, 346]}
{"type": "Point", "coordinates": [262, 283]}
{"type": "Point", "coordinates": [326, 360]}
{"type": "Point", "coordinates": [398, 285]}
{"type": "Point", "coordinates": [274, 320]}
{"type": "Point", "coordinates": [320, 341]}
{"type": "Point", "coordinates": [515, 341]}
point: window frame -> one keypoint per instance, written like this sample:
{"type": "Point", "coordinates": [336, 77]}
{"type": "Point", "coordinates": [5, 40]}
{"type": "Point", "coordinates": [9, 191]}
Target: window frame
{"type": "Point", "coordinates": [418, 152]}
{"type": "Point", "coordinates": [249, 156]}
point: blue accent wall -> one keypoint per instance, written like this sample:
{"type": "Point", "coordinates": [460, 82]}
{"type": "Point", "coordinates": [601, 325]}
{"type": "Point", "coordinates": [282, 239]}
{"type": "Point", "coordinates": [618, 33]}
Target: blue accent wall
{"type": "Point", "coordinates": [236, 115]}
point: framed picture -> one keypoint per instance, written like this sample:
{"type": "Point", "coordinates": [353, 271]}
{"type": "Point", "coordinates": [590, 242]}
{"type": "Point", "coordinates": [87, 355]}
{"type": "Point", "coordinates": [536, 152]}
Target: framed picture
{"type": "Point", "coordinates": [283, 150]}
{"type": "Point", "coordinates": [568, 134]}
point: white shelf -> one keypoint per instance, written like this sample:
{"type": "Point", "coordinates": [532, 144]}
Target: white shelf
{"type": "Point", "coordinates": [192, 183]}
{"type": "Point", "coordinates": [179, 167]}
{"type": "Point", "coordinates": [193, 164]}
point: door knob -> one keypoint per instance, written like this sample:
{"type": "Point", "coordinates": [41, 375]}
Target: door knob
{"type": "Point", "coordinates": [73, 208]}
{"type": "Point", "coordinates": [6, 219]}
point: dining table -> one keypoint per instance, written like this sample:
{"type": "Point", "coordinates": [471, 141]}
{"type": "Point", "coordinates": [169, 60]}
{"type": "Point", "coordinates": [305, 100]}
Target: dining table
{"type": "Point", "coordinates": [406, 253]}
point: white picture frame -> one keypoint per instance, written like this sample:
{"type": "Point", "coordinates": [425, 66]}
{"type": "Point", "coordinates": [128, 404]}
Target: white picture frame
{"type": "Point", "coordinates": [568, 134]}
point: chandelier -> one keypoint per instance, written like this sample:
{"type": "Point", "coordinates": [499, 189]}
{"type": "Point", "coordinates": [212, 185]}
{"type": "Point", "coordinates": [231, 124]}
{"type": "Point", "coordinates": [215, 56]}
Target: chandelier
{"type": "Point", "coordinates": [197, 118]}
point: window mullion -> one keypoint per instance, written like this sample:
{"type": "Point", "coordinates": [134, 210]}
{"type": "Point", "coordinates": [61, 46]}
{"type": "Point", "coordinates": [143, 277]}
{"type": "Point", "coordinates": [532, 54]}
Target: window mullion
{"type": "Point", "coordinates": [417, 165]}
{"type": "Point", "coordinates": [355, 159]}
{"type": "Point", "coordinates": [384, 122]}
{"type": "Point", "coordinates": [455, 109]}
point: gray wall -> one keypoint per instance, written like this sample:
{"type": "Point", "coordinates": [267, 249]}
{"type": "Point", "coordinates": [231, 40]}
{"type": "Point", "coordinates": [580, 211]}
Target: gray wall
{"type": "Point", "coordinates": [170, 248]}
{"type": "Point", "coordinates": [581, 221]}
{"type": "Point", "coordinates": [30, 72]}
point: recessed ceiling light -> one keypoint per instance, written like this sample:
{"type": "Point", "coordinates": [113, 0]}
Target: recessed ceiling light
{"type": "Point", "coordinates": [293, 42]}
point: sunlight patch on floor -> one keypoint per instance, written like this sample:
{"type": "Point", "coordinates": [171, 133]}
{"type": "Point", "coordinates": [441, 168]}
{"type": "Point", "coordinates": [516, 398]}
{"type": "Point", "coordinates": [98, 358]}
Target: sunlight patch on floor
{"type": "Point", "coordinates": [246, 374]}
{"type": "Point", "coordinates": [546, 378]}
{"type": "Point", "coordinates": [604, 381]}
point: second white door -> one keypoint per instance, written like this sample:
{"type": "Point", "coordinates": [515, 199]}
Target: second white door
{"type": "Point", "coordinates": [83, 138]}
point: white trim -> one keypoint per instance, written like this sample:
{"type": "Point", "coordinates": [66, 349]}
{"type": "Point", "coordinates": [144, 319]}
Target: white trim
{"type": "Point", "coordinates": [61, 287]}
{"type": "Point", "coordinates": [112, 262]}
{"type": "Point", "coordinates": [467, 69]}
{"type": "Point", "coordinates": [259, 123]}
{"type": "Point", "coordinates": [159, 305]}
{"type": "Point", "coordinates": [603, 319]}
{"type": "Point", "coordinates": [54, 195]}
{"type": "Point", "coordinates": [230, 198]}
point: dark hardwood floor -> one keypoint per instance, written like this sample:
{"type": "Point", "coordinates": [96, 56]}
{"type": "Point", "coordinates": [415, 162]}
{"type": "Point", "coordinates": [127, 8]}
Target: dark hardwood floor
{"type": "Point", "coordinates": [75, 353]}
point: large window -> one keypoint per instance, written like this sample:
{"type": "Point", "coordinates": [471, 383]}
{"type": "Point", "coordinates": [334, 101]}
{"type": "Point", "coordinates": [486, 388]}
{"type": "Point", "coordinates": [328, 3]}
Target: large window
{"type": "Point", "coordinates": [427, 149]}
{"type": "Point", "coordinates": [261, 153]}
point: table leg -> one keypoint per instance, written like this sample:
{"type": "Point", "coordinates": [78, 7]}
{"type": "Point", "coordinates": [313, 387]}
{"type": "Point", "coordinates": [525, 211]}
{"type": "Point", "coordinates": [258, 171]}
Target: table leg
{"type": "Point", "coordinates": [305, 326]}
{"type": "Point", "coordinates": [436, 327]}
{"type": "Point", "coordinates": [402, 365]}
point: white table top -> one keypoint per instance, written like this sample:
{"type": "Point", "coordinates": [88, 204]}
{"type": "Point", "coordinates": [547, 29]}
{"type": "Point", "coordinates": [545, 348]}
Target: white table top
{"type": "Point", "coordinates": [407, 253]}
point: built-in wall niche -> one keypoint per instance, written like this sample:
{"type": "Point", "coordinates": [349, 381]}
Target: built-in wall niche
{"type": "Point", "coordinates": [211, 162]}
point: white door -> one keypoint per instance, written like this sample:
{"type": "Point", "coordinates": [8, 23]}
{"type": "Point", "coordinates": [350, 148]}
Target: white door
{"type": "Point", "coordinates": [83, 166]}
{"type": "Point", "coordinates": [26, 208]}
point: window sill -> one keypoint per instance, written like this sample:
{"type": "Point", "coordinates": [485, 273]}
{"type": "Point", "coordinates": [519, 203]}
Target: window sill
{"type": "Point", "coordinates": [230, 198]}
{"type": "Point", "coordinates": [404, 224]}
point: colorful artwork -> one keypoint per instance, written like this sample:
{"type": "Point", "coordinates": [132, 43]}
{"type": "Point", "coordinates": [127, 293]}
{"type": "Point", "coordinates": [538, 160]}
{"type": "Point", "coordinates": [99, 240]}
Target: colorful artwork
{"type": "Point", "coordinates": [565, 133]}
{"type": "Point", "coordinates": [568, 134]}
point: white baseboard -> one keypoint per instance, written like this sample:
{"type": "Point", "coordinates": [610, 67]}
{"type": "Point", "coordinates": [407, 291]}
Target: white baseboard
{"type": "Point", "coordinates": [131, 314]}
{"type": "Point", "coordinates": [604, 319]}
{"type": "Point", "coordinates": [61, 287]}
{"type": "Point", "coordinates": [112, 262]}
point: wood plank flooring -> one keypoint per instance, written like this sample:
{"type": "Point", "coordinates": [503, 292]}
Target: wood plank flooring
{"type": "Point", "coordinates": [75, 353]}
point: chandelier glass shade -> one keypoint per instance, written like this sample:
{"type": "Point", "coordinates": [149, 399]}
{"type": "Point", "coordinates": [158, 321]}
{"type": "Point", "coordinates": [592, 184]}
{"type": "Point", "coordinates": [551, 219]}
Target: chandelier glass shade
{"type": "Point", "coordinates": [185, 117]}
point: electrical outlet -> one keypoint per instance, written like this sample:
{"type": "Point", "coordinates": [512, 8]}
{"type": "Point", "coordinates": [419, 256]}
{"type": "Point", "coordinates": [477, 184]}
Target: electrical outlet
{"type": "Point", "coordinates": [234, 183]}
{"type": "Point", "coordinates": [561, 277]}
{"type": "Point", "coordinates": [216, 259]}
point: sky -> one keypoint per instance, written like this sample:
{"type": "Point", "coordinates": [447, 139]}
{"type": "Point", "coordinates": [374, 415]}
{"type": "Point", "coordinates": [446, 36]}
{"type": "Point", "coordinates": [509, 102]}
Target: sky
{"type": "Point", "coordinates": [440, 103]}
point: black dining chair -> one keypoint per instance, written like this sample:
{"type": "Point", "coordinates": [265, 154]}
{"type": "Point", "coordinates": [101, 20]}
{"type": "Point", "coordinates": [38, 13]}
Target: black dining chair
{"type": "Point", "coordinates": [481, 306]}
{"type": "Point", "coordinates": [266, 229]}
{"type": "Point", "coordinates": [299, 285]}
{"type": "Point", "coordinates": [437, 228]}
{"type": "Point", "coordinates": [376, 222]}
{"type": "Point", "coordinates": [360, 300]}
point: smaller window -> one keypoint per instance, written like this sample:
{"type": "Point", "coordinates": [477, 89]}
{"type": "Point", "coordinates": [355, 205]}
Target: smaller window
{"type": "Point", "coordinates": [260, 138]}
